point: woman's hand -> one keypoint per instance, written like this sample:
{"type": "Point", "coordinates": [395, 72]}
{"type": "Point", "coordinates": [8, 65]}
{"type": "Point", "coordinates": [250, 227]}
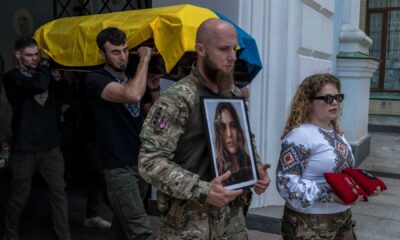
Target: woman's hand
{"type": "Point", "coordinates": [376, 192]}
{"type": "Point", "coordinates": [336, 199]}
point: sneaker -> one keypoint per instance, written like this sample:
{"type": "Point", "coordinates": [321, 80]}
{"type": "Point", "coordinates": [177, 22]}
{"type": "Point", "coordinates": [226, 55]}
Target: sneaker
{"type": "Point", "coordinates": [97, 222]}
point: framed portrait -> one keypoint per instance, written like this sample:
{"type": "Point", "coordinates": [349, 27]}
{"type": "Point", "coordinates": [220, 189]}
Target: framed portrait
{"type": "Point", "coordinates": [23, 22]}
{"type": "Point", "coordinates": [230, 143]}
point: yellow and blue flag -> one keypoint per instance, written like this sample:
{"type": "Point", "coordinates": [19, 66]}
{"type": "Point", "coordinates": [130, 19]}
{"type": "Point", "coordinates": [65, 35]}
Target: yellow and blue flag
{"type": "Point", "coordinates": [71, 41]}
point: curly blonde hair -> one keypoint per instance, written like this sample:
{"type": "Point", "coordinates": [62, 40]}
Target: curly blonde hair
{"type": "Point", "coordinates": [301, 107]}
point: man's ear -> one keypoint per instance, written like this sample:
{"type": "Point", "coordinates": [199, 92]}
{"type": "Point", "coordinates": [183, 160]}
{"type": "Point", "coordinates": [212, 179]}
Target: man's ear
{"type": "Point", "coordinates": [18, 55]}
{"type": "Point", "coordinates": [102, 54]}
{"type": "Point", "coordinates": [200, 49]}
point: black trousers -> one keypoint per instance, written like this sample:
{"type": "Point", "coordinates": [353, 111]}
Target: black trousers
{"type": "Point", "coordinates": [51, 166]}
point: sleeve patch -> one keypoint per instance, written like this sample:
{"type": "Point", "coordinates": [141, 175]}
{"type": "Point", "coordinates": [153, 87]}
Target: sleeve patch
{"type": "Point", "coordinates": [160, 119]}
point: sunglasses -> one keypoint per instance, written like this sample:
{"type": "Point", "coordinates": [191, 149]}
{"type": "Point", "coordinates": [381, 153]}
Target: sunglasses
{"type": "Point", "coordinates": [329, 98]}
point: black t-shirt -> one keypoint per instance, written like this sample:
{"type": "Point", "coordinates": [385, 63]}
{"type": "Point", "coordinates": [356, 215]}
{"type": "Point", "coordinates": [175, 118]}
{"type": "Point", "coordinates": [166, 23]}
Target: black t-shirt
{"type": "Point", "coordinates": [117, 128]}
{"type": "Point", "coordinates": [34, 124]}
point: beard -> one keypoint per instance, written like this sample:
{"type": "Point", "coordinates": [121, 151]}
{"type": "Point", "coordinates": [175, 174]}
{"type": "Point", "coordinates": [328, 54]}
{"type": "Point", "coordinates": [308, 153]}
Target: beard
{"type": "Point", "coordinates": [223, 79]}
{"type": "Point", "coordinates": [118, 68]}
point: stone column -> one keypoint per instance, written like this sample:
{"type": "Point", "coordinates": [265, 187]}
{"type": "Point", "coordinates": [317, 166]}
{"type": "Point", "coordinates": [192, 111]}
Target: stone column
{"type": "Point", "coordinates": [355, 68]}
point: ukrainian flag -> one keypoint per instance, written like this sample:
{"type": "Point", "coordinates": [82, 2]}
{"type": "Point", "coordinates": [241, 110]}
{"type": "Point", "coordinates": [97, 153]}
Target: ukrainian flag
{"type": "Point", "coordinates": [71, 41]}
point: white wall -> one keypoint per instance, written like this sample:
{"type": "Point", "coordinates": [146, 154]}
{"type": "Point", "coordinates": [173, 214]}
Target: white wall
{"type": "Point", "coordinates": [295, 39]}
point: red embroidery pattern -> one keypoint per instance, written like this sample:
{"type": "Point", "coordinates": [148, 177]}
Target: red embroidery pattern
{"type": "Point", "coordinates": [344, 158]}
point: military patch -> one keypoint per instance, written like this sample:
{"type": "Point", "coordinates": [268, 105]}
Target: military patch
{"type": "Point", "coordinates": [160, 119]}
{"type": "Point", "coordinates": [164, 122]}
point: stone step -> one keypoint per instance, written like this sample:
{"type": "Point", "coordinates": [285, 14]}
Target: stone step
{"type": "Point", "coordinates": [383, 128]}
{"type": "Point", "coordinates": [267, 219]}
{"type": "Point", "coordinates": [384, 157]}
{"type": "Point", "coordinates": [385, 106]}
{"type": "Point", "coordinates": [384, 123]}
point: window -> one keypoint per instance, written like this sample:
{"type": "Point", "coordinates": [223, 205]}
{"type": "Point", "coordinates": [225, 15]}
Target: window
{"type": "Point", "coordinates": [67, 8]}
{"type": "Point", "coordinates": [383, 26]}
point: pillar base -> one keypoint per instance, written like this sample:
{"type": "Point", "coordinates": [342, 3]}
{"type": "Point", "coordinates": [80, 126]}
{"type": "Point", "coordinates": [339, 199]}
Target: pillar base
{"type": "Point", "coordinates": [361, 149]}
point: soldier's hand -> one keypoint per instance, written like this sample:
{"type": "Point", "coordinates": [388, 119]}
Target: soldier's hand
{"type": "Point", "coordinates": [218, 196]}
{"type": "Point", "coordinates": [43, 55]}
{"type": "Point", "coordinates": [145, 53]}
{"type": "Point", "coordinates": [264, 181]}
{"type": "Point", "coordinates": [153, 80]}
{"type": "Point", "coordinates": [245, 92]}
{"type": "Point", "coordinates": [55, 72]}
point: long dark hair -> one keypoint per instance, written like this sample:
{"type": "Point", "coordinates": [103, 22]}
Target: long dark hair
{"type": "Point", "coordinates": [222, 153]}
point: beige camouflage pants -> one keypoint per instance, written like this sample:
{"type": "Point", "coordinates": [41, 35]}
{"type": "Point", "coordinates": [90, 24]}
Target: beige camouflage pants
{"type": "Point", "coordinates": [184, 222]}
{"type": "Point", "coordinates": [338, 226]}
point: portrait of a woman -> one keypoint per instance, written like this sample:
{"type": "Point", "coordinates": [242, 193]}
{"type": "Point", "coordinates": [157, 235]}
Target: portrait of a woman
{"type": "Point", "coordinates": [231, 151]}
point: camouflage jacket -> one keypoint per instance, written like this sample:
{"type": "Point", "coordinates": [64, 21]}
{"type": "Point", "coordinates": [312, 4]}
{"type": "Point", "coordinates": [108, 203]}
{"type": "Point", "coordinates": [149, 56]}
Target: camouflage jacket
{"type": "Point", "coordinates": [174, 156]}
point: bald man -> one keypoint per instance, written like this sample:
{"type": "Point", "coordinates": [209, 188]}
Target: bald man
{"type": "Point", "coordinates": [174, 156]}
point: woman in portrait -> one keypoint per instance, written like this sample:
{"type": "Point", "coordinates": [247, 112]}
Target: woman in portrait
{"type": "Point", "coordinates": [230, 146]}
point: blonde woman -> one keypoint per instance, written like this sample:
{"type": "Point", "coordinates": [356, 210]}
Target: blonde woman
{"type": "Point", "coordinates": [313, 143]}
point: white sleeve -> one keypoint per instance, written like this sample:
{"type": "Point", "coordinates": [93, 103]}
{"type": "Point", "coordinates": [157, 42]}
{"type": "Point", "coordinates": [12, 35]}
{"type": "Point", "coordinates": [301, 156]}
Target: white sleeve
{"type": "Point", "coordinates": [300, 193]}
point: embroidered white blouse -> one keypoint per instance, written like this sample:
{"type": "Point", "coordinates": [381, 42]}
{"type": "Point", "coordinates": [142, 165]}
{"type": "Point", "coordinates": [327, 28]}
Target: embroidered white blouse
{"type": "Point", "coordinates": [306, 153]}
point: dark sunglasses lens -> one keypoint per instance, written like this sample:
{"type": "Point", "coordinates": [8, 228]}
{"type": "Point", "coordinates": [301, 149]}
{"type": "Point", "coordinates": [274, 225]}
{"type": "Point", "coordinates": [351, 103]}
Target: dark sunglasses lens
{"type": "Point", "coordinates": [340, 98]}
{"type": "Point", "coordinates": [329, 99]}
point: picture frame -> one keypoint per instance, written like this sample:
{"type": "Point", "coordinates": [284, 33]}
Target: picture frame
{"type": "Point", "coordinates": [23, 22]}
{"type": "Point", "coordinates": [229, 138]}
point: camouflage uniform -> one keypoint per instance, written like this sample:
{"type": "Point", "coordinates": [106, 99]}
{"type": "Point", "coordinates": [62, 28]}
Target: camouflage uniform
{"type": "Point", "coordinates": [337, 226]}
{"type": "Point", "coordinates": [174, 158]}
